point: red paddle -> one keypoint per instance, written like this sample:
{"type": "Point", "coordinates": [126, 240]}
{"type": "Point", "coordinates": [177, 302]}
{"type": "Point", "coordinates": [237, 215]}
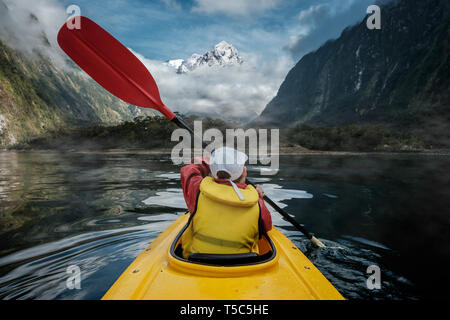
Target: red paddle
{"type": "Point", "coordinates": [111, 64]}
{"type": "Point", "coordinates": [120, 72]}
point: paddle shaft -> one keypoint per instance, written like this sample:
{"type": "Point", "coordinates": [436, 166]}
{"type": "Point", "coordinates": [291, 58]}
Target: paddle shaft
{"type": "Point", "coordinates": [180, 123]}
{"type": "Point", "coordinates": [120, 72]}
{"type": "Point", "coordinates": [285, 215]}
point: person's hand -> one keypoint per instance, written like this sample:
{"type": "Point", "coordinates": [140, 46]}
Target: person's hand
{"type": "Point", "coordinates": [199, 160]}
{"type": "Point", "coordinates": [260, 191]}
{"type": "Point", "coordinates": [243, 176]}
{"type": "Point", "coordinates": [207, 158]}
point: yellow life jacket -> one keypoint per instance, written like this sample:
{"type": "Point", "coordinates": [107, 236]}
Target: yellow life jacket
{"type": "Point", "coordinates": [222, 223]}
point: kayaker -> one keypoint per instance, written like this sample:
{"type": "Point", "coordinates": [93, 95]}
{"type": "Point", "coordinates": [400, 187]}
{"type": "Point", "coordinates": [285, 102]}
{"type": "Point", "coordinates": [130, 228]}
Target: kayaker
{"type": "Point", "coordinates": [228, 216]}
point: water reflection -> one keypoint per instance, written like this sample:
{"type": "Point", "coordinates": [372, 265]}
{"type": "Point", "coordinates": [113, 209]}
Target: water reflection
{"type": "Point", "coordinates": [40, 272]}
{"type": "Point", "coordinates": [99, 210]}
{"type": "Point", "coordinates": [172, 198]}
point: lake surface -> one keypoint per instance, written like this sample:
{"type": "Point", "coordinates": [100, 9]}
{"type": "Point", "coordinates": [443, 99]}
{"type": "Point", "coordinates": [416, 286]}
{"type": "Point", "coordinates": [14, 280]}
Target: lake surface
{"type": "Point", "coordinates": [98, 210]}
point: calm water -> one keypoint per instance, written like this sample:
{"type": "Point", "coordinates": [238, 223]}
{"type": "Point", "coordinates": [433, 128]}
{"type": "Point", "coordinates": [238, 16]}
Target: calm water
{"type": "Point", "coordinates": [99, 210]}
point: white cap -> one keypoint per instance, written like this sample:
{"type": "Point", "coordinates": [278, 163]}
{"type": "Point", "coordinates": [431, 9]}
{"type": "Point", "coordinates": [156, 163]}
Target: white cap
{"type": "Point", "coordinates": [229, 160]}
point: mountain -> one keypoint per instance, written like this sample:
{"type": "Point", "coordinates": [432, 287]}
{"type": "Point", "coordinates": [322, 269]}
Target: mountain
{"type": "Point", "coordinates": [223, 54]}
{"type": "Point", "coordinates": [38, 95]}
{"type": "Point", "coordinates": [398, 74]}
{"type": "Point", "coordinates": [176, 63]}
{"type": "Point", "coordinates": [225, 116]}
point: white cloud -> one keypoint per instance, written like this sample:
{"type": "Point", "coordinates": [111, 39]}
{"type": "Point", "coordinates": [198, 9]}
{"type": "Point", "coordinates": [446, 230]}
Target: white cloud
{"type": "Point", "coordinates": [28, 25]}
{"type": "Point", "coordinates": [172, 4]}
{"type": "Point", "coordinates": [313, 14]}
{"type": "Point", "coordinates": [233, 91]}
{"type": "Point", "coordinates": [236, 91]}
{"type": "Point", "coordinates": [234, 7]}
{"type": "Point", "coordinates": [324, 21]}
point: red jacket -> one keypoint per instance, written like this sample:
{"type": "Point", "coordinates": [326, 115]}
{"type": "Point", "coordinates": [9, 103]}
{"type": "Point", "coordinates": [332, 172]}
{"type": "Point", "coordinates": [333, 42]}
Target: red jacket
{"type": "Point", "coordinates": [191, 177]}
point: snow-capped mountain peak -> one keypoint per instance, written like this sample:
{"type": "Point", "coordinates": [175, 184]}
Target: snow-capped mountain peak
{"type": "Point", "coordinates": [176, 63]}
{"type": "Point", "coordinates": [223, 54]}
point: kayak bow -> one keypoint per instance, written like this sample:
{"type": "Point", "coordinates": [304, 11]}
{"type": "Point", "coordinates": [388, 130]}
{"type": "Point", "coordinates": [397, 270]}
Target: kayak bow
{"type": "Point", "coordinates": [282, 272]}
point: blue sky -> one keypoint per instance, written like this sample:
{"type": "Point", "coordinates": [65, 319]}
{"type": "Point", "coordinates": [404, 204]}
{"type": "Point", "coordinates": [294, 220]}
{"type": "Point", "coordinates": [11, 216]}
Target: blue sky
{"type": "Point", "coordinates": [168, 29]}
{"type": "Point", "coordinates": [270, 35]}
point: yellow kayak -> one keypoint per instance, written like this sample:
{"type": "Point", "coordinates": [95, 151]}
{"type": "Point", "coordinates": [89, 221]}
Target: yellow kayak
{"type": "Point", "coordinates": [280, 271]}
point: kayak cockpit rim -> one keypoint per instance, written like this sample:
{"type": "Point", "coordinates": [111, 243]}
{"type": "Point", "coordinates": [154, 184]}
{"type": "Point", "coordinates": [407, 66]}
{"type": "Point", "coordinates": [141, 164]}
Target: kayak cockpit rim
{"type": "Point", "coordinates": [267, 257]}
{"type": "Point", "coordinates": [157, 274]}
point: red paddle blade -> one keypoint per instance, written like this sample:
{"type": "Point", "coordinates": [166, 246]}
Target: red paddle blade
{"type": "Point", "coordinates": [111, 64]}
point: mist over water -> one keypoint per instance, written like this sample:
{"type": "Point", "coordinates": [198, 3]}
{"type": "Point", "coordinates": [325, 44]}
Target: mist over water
{"type": "Point", "coordinates": [98, 210]}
